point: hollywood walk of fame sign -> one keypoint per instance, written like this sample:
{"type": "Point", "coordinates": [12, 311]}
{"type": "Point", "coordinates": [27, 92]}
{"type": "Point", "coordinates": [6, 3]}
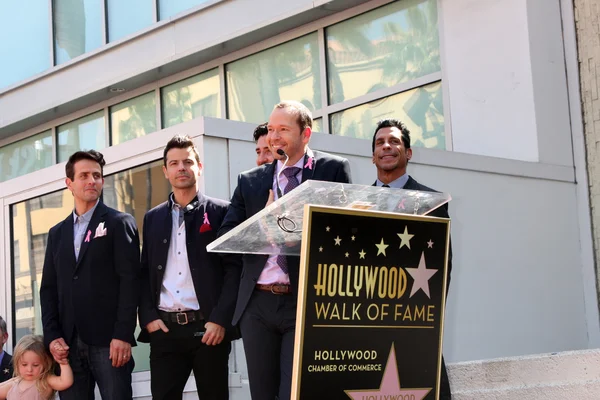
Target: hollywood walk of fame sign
{"type": "Point", "coordinates": [370, 305]}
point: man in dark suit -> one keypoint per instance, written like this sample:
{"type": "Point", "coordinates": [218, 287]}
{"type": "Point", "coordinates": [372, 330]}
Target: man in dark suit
{"type": "Point", "coordinates": [263, 153]}
{"type": "Point", "coordinates": [391, 153]}
{"type": "Point", "coordinates": [188, 295]}
{"type": "Point", "coordinates": [6, 367]}
{"type": "Point", "coordinates": [266, 304]}
{"type": "Point", "coordinates": [90, 286]}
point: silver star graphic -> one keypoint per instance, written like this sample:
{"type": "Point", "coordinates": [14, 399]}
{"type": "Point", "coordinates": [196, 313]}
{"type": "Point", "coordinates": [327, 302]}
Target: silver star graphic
{"type": "Point", "coordinates": [381, 248]}
{"type": "Point", "coordinates": [6, 371]}
{"type": "Point", "coordinates": [353, 237]}
{"type": "Point", "coordinates": [347, 254]}
{"type": "Point", "coordinates": [421, 276]}
{"type": "Point", "coordinates": [321, 249]}
{"type": "Point", "coordinates": [405, 237]}
{"type": "Point", "coordinates": [362, 254]}
{"type": "Point", "coordinates": [338, 241]}
{"type": "Point", "coordinates": [327, 229]}
{"type": "Point", "coordinates": [430, 244]}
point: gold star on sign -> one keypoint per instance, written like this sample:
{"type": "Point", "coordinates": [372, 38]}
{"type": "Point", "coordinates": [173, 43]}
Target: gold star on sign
{"type": "Point", "coordinates": [327, 229]}
{"type": "Point", "coordinates": [321, 249]}
{"type": "Point", "coordinates": [347, 254]}
{"type": "Point", "coordinates": [353, 237]}
{"type": "Point", "coordinates": [405, 238]}
{"type": "Point", "coordinates": [338, 241]}
{"type": "Point", "coordinates": [381, 248]}
{"type": "Point", "coordinates": [362, 254]}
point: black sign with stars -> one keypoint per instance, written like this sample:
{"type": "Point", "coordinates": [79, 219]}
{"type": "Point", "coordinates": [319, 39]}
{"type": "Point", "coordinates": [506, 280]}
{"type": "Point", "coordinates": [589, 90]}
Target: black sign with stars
{"type": "Point", "coordinates": [370, 305]}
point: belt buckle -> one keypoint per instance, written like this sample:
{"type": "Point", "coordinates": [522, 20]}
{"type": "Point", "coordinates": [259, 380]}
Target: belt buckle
{"type": "Point", "coordinates": [180, 322]}
{"type": "Point", "coordinates": [277, 293]}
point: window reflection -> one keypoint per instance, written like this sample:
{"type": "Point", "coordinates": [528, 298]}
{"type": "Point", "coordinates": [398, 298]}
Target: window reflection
{"type": "Point", "coordinates": [24, 40]}
{"type": "Point", "coordinates": [77, 28]}
{"type": "Point", "coordinates": [421, 109]}
{"type": "Point", "coordinates": [381, 48]}
{"type": "Point", "coordinates": [134, 191]}
{"type": "Point", "coordinates": [25, 156]}
{"type": "Point", "coordinates": [85, 133]}
{"type": "Point", "coordinates": [127, 17]}
{"type": "Point", "coordinates": [289, 71]}
{"type": "Point", "coordinates": [191, 98]}
{"type": "Point", "coordinates": [133, 118]}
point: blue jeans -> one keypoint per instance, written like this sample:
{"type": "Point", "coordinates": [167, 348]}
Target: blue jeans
{"type": "Point", "coordinates": [91, 365]}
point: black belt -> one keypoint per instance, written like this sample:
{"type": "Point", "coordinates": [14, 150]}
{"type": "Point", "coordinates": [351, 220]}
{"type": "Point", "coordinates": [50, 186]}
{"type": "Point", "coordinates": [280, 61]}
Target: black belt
{"type": "Point", "coordinates": [181, 317]}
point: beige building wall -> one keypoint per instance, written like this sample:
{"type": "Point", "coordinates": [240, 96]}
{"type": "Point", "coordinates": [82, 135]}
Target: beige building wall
{"type": "Point", "coordinates": [587, 22]}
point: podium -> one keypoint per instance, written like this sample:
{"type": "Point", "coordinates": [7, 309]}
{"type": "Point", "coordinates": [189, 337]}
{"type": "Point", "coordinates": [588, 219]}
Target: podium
{"type": "Point", "coordinates": [372, 288]}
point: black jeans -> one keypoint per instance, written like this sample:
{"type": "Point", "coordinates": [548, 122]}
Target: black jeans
{"type": "Point", "coordinates": [268, 330]}
{"type": "Point", "coordinates": [173, 355]}
{"type": "Point", "coordinates": [91, 365]}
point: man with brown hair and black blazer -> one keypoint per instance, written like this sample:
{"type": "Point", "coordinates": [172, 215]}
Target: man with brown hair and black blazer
{"type": "Point", "coordinates": [391, 153]}
{"type": "Point", "coordinates": [90, 286]}
{"type": "Point", "coordinates": [188, 295]}
{"type": "Point", "coordinates": [266, 304]}
{"type": "Point", "coordinates": [6, 367]}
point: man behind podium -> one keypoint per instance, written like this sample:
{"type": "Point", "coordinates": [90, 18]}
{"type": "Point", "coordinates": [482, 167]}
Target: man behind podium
{"type": "Point", "coordinates": [266, 304]}
{"type": "Point", "coordinates": [391, 154]}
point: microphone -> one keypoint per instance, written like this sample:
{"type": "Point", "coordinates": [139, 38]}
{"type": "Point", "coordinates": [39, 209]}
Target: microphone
{"type": "Point", "coordinates": [287, 158]}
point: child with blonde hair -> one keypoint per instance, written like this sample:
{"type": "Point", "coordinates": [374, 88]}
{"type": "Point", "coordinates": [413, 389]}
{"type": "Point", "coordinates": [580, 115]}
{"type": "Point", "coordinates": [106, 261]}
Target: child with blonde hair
{"type": "Point", "coordinates": [33, 377]}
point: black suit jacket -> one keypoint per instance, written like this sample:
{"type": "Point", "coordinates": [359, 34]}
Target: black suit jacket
{"type": "Point", "coordinates": [441, 212]}
{"type": "Point", "coordinates": [251, 196]}
{"type": "Point", "coordinates": [215, 281]}
{"type": "Point", "coordinates": [6, 368]}
{"type": "Point", "coordinates": [98, 294]}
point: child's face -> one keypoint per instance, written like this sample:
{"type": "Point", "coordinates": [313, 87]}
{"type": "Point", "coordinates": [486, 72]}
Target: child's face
{"type": "Point", "coordinates": [30, 366]}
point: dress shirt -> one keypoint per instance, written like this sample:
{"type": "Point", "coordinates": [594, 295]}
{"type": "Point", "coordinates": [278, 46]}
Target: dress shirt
{"type": "Point", "coordinates": [272, 272]}
{"type": "Point", "coordinates": [396, 184]}
{"type": "Point", "coordinates": [177, 292]}
{"type": "Point", "coordinates": [80, 224]}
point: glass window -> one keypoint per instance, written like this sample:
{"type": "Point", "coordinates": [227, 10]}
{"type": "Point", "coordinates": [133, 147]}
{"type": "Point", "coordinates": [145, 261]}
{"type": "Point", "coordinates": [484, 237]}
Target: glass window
{"type": "Point", "coordinates": [287, 72]}
{"type": "Point", "coordinates": [87, 133]}
{"type": "Point", "coordinates": [134, 191]}
{"type": "Point", "coordinates": [25, 51]}
{"type": "Point", "coordinates": [77, 28]}
{"type": "Point", "coordinates": [317, 125]}
{"type": "Point", "coordinates": [127, 17]}
{"type": "Point", "coordinates": [191, 98]}
{"type": "Point", "coordinates": [421, 109]}
{"type": "Point", "coordinates": [381, 48]}
{"type": "Point", "coordinates": [31, 220]}
{"type": "Point", "coordinates": [168, 8]}
{"type": "Point", "coordinates": [25, 156]}
{"type": "Point", "coordinates": [133, 118]}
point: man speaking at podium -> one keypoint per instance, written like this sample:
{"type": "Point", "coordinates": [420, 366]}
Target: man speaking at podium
{"type": "Point", "coordinates": [391, 153]}
{"type": "Point", "coordinates": [266, 304]}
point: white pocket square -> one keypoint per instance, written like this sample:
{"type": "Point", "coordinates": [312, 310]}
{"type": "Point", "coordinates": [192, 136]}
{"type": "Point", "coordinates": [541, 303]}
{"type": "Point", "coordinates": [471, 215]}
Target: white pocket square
{"type": "Point", "coordinates": [100, 230]}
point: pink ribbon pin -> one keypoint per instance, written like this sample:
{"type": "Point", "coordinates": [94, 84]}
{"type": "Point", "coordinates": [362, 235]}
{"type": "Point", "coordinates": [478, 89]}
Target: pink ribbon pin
{"type": "Point", "coordinates": [309, 163]}
{"type": "Point", "coordinates": [401, 205]}
{"type": "Point", "coordinates": [87, 237]}
{"type": "Point", "coordinates": [206, 219]}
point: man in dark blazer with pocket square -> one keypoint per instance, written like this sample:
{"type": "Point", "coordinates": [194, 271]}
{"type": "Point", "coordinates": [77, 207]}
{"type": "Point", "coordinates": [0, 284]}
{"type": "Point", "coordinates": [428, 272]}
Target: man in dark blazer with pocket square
{"type": "Point", "coordinates": [391, 154]}
{"type": "Point", "coordinates": [266, 304]}
{"type": "Point", "coordinates": [90, 286]}
{"type": "Point", "coordinates": [188, 295]}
